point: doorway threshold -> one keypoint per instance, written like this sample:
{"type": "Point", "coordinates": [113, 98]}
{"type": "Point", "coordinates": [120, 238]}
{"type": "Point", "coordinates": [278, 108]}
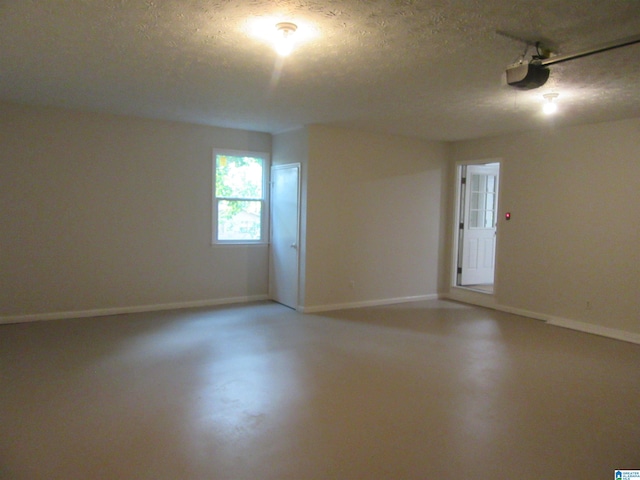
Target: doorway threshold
{"type": "Point", "coordinates": [487, 288]}
{"type": "Point", "coordinates": [471, 296]}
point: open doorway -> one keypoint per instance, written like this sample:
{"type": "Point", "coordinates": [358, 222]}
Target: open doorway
{"type": "Point", "coordinates": [477, 215]}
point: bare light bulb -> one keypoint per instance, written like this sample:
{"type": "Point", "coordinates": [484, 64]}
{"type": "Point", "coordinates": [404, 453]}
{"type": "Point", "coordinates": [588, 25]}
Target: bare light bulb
{"type": "Point", "coordinates": [550, 106]}
{"type": "Point", "coordinates": [285, 38]}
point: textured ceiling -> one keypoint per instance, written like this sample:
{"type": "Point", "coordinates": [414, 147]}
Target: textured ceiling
{"type": "Point", "coordinates": [423, 68]}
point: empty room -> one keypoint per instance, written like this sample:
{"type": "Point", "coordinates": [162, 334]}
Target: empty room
{"type": "Point", "coordinates": [319, 239]}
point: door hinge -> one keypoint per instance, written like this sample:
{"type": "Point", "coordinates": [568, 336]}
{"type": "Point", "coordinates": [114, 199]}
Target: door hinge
{"type": "Point", "coordinates": [459, 270]}
{"type": "Point", "coordinates": [461, 226]}
{"type": "Point", "coordinates": [463, 180]}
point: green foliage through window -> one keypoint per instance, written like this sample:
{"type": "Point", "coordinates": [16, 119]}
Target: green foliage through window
{"type": "Point", "coordinates": [239, 183]}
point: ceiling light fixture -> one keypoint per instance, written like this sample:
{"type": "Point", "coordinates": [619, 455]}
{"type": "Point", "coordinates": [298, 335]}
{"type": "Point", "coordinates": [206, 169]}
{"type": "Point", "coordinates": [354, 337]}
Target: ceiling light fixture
{"type": "Point", "coordinates": [285, 38]}
{"type": "Point", "coordinates": [550, 105]}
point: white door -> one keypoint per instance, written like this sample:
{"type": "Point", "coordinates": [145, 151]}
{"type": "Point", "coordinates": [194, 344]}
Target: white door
{"type": "Point", "coordinates": [283, 258]}
{"type": "Point", "coordinates": [479, 224]}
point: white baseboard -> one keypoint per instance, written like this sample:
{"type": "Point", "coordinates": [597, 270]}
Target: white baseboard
{"type": "Point", "coordinates": [559, 321]}
{"type": "Point", "coordinates": [595, 329]}
{"type": "Point", "coordinates": [550, 319]}
{"type": "Point", "coordinates": [524, 313]}
{"type": "Point", "coordinates": [100, 312]}
{"type": "Point", "coordinates": [366, 303]}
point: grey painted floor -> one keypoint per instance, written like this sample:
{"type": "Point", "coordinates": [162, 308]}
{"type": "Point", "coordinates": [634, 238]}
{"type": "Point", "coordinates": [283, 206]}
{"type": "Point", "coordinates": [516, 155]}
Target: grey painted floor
{"type": "Point", "coordinates": [426, 390]}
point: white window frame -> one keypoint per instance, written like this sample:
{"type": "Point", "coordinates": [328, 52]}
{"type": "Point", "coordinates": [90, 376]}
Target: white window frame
{"type": "Point", "coordinates": [264, 219]}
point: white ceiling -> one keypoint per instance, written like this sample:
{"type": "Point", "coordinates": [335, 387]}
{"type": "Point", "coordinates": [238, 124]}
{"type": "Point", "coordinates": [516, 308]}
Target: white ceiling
{"type": "Point", "coordinates": [431, 69]}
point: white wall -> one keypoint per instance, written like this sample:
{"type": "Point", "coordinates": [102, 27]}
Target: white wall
{"type": "Point", "coordinates": [373, 217]}
{"type": "Point", "coordinates": [102, 212]}
{"type": "Point", "coordinates": [574, 235]}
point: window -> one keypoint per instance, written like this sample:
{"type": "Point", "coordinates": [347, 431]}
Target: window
{"type": "Point", "coordinates": [483, 201]}
{"type": "Point", "coordinates": [239, 196]}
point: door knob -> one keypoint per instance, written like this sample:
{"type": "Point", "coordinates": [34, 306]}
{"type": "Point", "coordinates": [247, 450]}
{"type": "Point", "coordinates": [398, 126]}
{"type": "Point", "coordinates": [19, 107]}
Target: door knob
{"type": "Point", "coordinates": [293, 245]}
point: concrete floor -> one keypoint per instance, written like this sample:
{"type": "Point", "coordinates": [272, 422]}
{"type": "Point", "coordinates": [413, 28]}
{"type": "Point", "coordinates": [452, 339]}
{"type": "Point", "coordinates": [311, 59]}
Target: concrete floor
{"type": "Point", "coordinates": [427, 390]}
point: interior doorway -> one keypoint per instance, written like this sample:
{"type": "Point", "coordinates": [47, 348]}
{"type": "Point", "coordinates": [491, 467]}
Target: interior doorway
{"type": "Point", "coordinates": [285, 231]}
{"type": "Point", "coordinates": [477, 216]}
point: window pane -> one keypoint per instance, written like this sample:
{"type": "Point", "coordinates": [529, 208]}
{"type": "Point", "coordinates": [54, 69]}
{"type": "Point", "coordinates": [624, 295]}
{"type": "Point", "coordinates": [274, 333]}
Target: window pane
{"type": "Point", "coordinates": [239, 220]}
{"type": "Point", "coordinates": [491, 184]}
{"type": "Point", "coordinates": [489, 203]}
{"type": "Point", "coordinates": [483, 183]}
{"type": "Point", "coordinates": [475, 183]}
{"type": "Point", "coordinates": [488, 219]}
{"type": "Point", "coordinates": [475, 200]}
{"type": "Point", "coordinates": [238, 177]}
{"type": "Point", "coordinates": [473, 220]}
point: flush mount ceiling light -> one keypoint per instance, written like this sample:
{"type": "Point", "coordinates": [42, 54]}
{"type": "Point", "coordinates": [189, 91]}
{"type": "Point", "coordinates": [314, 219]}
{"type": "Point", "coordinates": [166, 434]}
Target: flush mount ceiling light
{"type": "Point", "coordinates": [280, 33]}
{"type": "Point", "coordinates": [550, 105]}
{"type": "Point", "coordinates": [285, 38]}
